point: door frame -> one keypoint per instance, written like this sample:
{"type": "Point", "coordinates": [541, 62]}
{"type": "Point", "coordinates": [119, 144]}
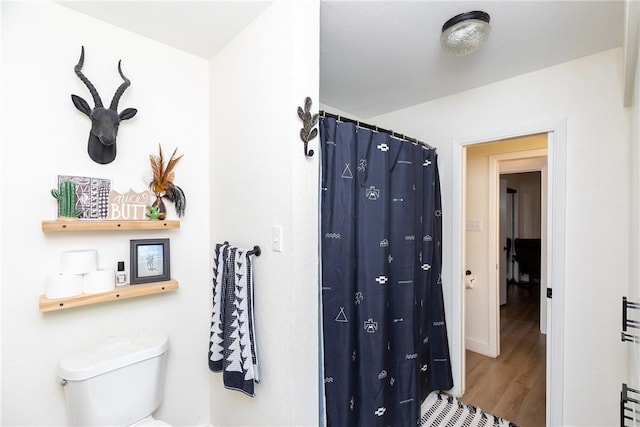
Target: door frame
{"type": "Point", "coordinates": [513, 162]}
{"type": "Point", "coordinates": [556, 217]}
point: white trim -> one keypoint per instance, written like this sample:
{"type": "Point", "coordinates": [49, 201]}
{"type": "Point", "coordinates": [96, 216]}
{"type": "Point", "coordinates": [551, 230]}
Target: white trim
{"type": "Point", "coordinates": [544, 268]}
{"type": "Point", "coordinates": [556, 219]}
{"type": "Point", "coordinates": [476, 346]}
{"type": "Point", "coordinates": [514, 162]}
{"type": "Point", "coordinates": [557, 134]}
{"type": "Point", "coordinates": [631, 41]}
{"type": "Point", "coordinates": [522, 161]}
{"type": "Point", "coordinates": [458, 209]}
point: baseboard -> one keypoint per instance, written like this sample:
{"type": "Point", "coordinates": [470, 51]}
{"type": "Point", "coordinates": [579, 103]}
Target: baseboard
{"type": "Point", "coordinates": [478, 347]}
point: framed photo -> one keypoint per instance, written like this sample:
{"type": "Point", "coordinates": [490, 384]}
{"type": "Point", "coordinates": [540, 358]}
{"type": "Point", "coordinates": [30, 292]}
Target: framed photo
{"type": "Point", "coordinates": [150, 261]}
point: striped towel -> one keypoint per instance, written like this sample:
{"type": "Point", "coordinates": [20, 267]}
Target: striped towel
{"type": "Point", "coordinates": [443, 410]}
{"type": "Point", "coordinates": [232, 348]}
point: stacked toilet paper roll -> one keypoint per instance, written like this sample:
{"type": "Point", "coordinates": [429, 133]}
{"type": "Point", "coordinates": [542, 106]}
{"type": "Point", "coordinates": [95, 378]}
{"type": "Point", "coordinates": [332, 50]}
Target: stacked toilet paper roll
{"type": "Point", "coordinates": [79, 274]}
{"type": "Point", "coordinates": [63, 285]}
{"type": "Point", "coordinates": [78, 262]}
{"type": "Point", "coordinates": [98, 281]}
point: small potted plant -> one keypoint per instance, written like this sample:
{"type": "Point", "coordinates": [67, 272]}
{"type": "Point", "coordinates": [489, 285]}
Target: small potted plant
{"type": "Point", "coordinates": [153, 213]}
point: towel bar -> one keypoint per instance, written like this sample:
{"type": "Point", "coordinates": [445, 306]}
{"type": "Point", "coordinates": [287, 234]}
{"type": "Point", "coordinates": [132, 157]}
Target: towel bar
{"type": "Point", "coordinates": [255, 251]}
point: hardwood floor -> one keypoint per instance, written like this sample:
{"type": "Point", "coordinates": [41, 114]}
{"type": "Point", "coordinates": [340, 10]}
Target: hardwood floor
{"type": "Point", "coordinates": [512, 386]}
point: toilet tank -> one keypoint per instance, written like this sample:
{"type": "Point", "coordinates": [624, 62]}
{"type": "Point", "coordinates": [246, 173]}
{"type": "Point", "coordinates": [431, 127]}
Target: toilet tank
{"type": "Point", "coordinates": [116, 382]}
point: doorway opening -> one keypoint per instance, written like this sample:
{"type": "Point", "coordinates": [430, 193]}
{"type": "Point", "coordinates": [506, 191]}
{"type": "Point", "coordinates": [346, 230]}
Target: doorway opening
{"type": "Point", "coordinates": [506, 360]}
{"type": "Point", "coordinates": [520, 232]}
{"type": "Point", "coordinates": [553, 252]}
{"type": "Point", "coordinates": [484, 254]}
{"type": "Point", "coordinates": [522, 219]}
{"type": "Point", "coordinates": [483, 247]}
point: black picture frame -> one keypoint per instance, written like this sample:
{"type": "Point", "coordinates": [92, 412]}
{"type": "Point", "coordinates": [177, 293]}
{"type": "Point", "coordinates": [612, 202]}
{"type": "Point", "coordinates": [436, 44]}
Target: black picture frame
{"type": "Point", "coordinates": [150, 261]}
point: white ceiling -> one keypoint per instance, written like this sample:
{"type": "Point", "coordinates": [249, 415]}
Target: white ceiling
{"type": "Point", "coordinates": [200, 27]}
{"type": "Point", "coordinates": [380, 56]}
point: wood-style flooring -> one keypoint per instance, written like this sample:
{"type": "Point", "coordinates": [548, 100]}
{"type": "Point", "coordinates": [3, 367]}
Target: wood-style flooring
{"type": "Point", "coordinates": [512, 386]}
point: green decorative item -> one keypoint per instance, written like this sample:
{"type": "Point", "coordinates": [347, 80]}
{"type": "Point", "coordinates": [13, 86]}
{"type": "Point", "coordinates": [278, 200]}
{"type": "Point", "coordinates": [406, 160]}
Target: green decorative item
{"type": "Point", "coordinates": [154, 213]}
{"type": "Point", "coordinates": [67, 198]}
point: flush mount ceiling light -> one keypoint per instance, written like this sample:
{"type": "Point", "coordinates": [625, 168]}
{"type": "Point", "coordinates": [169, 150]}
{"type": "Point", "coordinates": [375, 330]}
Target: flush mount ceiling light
{"type": "Point", "coordinates": [465, 33]}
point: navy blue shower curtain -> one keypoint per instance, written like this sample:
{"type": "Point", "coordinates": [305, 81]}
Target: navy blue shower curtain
{"type": "Point", "coordinates": [385, 338]}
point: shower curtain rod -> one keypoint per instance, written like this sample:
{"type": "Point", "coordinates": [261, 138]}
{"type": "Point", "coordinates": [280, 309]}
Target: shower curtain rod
{"type": "Point", "coordinates": [375, 128]}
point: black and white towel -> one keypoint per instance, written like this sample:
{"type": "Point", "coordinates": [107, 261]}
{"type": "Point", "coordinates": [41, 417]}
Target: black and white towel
{"type": "Point", "coordinates": [232, 348]}
{"type": "Point", "coordinates": [443, 410]}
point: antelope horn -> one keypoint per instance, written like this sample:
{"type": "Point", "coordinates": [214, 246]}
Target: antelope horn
{"type": "Point", "coordinates": [120, 91]}
{"type": "Point", "coordinates": [94, 93]}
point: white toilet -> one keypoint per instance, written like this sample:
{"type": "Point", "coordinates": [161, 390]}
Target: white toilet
{"type": "Point", "coordinates": [118, 382]}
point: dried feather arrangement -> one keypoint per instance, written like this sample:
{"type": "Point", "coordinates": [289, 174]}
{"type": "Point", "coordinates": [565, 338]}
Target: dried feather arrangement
{"type": "Point", "coordinates": [162, 184]}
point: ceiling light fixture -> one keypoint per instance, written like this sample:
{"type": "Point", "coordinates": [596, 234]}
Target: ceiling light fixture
{"type": "Point", "coordinates": [465, 33]}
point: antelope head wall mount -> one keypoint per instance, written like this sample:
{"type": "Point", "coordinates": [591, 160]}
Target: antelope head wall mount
{"type": "Point", "coordinates": [104, 121]}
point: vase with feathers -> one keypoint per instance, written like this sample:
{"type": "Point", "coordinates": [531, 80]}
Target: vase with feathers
{"type": "Point", "coordinates": [162, 183]}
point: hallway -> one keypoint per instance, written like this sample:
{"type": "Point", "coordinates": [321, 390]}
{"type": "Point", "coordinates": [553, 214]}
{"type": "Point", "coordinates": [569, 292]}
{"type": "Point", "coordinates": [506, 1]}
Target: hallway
{"type": "Point", "coordinates": [513, 385]}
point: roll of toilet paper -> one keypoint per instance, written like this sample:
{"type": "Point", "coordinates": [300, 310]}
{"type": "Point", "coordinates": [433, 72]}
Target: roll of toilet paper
{"type": "Point", "coordinates": [63, 285]}
{"type": "Point", "coordinates": [98, 281]}
{"type": "Point", "coordinates": [469, 281]}
{"type": "Point", "coordinates": [78, 262]}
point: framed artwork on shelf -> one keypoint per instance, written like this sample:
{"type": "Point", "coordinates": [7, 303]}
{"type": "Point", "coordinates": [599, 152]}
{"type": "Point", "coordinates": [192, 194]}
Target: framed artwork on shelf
{"type": "Point", "coordinates": [149, 261]}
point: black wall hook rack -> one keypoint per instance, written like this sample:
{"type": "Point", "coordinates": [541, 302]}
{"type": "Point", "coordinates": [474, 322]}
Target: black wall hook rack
{"type": "Point", "coordinates": [308, 131]}
{"type": "Point", "coordinates": [628, 323]}
{"type": "Point", "coordinates": [255, 251]}
{"type": "Point", "coordinates": [629, 402]}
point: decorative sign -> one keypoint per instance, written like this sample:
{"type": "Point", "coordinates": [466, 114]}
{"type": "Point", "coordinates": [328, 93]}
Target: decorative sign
{"type": "Point", "coordinates": [129, 205]}
{"type": "Point", "coordinates": [92, 195]}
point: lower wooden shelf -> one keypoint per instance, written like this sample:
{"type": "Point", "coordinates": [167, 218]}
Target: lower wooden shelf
{"type": "Point", "coordinates": [119, 293]}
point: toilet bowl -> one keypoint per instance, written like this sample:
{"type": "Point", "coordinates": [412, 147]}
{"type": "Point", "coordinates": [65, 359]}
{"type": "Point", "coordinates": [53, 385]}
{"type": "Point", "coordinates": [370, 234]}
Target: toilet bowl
{"type": "Point", "coordinates": [116, 382]}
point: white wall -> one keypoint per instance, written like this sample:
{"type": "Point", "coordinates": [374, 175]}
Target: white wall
{"type": "Point", "coordinates": [587, 92]}
{"type": "Point", "coordinates": [42, 135]}
{"type": "Point", "coordinates": [1, 211]}
{"type": "Point", "coordinates": [260, 178]}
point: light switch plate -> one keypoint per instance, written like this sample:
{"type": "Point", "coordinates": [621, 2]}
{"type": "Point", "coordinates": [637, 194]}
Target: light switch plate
{"type": "Point", "coordinates": [474, 225]}
{"type": "Point", "coordinates": [276, 238]}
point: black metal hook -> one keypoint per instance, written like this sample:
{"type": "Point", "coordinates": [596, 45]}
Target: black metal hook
{"type": "Point", "coordinates": [308, 131]}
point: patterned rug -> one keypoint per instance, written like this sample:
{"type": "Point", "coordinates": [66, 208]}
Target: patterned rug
{"type": "Point", "coordinates": [443, 410]}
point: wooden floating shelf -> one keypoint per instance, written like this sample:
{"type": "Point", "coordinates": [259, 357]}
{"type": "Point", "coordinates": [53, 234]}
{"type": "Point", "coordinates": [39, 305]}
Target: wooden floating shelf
{"type": "Point", "coordinates": [109, 225]}
{"type": "Point", "coordinates": [119, 293]}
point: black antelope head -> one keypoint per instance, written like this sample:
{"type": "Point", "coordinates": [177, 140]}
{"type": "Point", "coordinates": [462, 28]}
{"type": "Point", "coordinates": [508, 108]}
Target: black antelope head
{"type": "Point", "coordinates": [104, 121]}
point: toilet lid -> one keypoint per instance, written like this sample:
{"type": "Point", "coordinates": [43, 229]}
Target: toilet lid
{"type": "Point", "coordinates": [113, 353]}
